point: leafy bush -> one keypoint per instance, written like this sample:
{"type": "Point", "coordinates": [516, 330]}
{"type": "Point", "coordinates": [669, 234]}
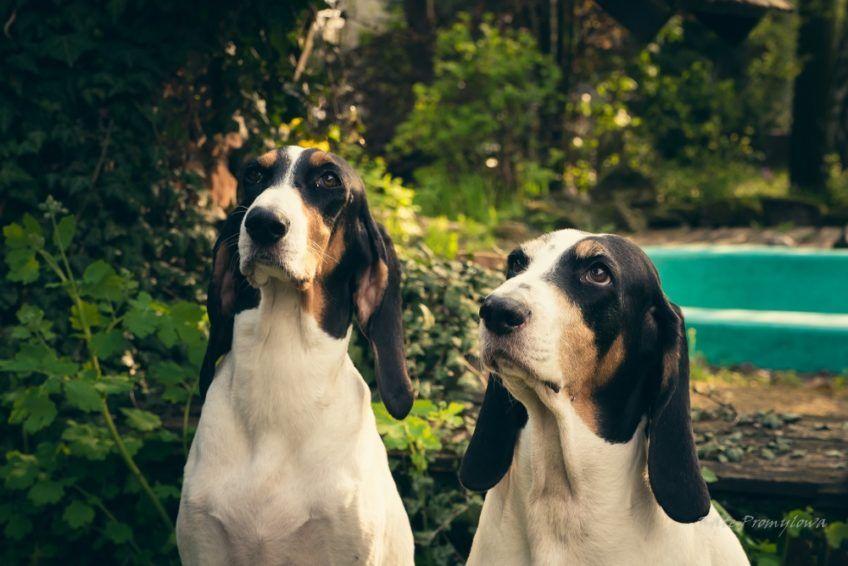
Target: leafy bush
{"type": "Point", "coordinates": [476, 126]}
{"type": "Point", "coordinates": [107, 390]}
{"type": "Point", "coordinates": [90, 469]}
{"type": "Point", "coordinates": [114, 110]}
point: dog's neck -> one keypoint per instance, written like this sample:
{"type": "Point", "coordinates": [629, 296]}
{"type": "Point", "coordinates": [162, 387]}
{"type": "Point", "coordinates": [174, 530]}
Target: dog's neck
{"type": "Point", "coordinates": [289, 374]}
{"type": "Point", "coordinates": [571, 467]}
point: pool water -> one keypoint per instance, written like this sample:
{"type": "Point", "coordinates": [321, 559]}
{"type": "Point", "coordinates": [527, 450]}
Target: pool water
{"type": "Point", "coordinates": [775, 308]}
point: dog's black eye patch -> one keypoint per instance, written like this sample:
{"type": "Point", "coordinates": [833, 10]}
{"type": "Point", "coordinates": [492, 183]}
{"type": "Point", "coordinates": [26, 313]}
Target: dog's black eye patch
{"type": "Point", "coordinates": [516, 262]}
{"type": "Point", "coordinates": [253, 175]}
{"type": "Point", "coordinates": [326, 190]}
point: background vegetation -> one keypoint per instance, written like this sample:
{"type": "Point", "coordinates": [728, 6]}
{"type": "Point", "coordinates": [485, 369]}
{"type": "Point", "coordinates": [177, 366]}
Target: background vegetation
{"type": "Point", "coordinates": [121, 124]}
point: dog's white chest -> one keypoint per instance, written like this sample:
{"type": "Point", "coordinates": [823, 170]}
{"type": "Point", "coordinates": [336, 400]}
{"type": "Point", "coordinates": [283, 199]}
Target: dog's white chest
{"type": "Point", "coordinates": [271, 510]}
{"type": "Point", "coordinates": [287, 495]}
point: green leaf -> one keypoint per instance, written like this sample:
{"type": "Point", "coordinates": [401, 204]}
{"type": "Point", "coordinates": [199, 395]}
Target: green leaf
{"type": "Point", "coordinates": [144, 421]}
{"type": "Point", "coordinates": [708, 475]}
{"type": "Point", "coordinates": [23, 266]}
{"type": "Point", "coordinates": [836, 533]}
{"type": "Point", "coordinates": [78, 514]}
{"type": "Point", "coordinates": [108, 344]}
{"type": "Point", "coordinates": [46, 492]}
{"type": "Point", "coordinates": [100, 281]}
{"type": "Point", "coordinates": [34, 233]}
{"type": "Point", "coordinates": [32, 319]}
{"type": "Point", "coordinates": [83, 395]}
{"type": "Point", "coordinates": [88, 441]}
{"type": "Point", "coordinates": [20, 471]}
{"type": "Point", "coordinates": [85, 311]}
{"type": "Point", "coordinates": [38, 358]}
{"type": "Point", "coordinates": [63, 235]}
{"type": "Point", "coordinates": [118, 533]}
{"type": "Point", "coordinates": [18, 528]}
{"type": "Point", "coordinates": [142, 319]}
{"type": "Point", "coordinates": [34, 409]}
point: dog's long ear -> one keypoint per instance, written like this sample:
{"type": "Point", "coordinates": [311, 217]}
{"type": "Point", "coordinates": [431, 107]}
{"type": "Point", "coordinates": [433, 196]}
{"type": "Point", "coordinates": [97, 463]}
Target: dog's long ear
{"type": "Point", "coordinates": [673, 468]}
{"type": "Point", "coordinates": [377, 298]}
{"type": "Point", "coordinates": [228, 293]}
{"type": "Point", "coordinates": [489, 454]}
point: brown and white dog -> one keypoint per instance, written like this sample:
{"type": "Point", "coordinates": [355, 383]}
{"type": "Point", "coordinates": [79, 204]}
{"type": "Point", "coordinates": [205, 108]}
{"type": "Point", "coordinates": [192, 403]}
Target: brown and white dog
{"type": "Point", "coordinates": [584, 439]}
{"type": "Point", "coordinates": [287, 466]}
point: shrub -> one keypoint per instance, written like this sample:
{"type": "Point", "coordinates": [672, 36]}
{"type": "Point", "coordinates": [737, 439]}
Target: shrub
{"type": "Point", "coordinates": [90, 470]}
{"type": "Point", "coordinates": [99, 403]}
{"type": "Point", "coordinates": [477, 125]}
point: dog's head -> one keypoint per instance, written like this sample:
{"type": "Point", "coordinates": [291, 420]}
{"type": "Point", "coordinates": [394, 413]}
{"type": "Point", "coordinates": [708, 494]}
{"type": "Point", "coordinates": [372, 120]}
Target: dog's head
{"type": "Point", "coordinates": [303, 221]}
{"type": "Point", "coordinates": [582, 320]}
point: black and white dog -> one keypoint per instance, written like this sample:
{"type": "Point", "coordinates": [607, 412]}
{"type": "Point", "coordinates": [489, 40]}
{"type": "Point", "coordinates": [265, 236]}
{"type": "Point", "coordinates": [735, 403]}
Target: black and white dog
{"type": "Point", "coordinates": [584, 439]}
{"type": "Point", "coordinates": [287, 466]}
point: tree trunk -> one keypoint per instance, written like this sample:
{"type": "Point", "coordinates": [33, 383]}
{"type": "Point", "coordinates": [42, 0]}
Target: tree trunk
{"type": "Point", "coordinates": [811, 101]}
{"type": "Point", "coordinates": [839, 90]}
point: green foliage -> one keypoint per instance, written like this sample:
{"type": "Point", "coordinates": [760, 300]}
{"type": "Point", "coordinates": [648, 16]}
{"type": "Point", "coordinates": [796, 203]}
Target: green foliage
{"type": "Point", "coordinates": [437, 506]}
{"type": "Point", "coordinates": [477, 125]}
{"type": "Point", "coordinates": [88, 392]}
{"type": "Point", "coordinates": [606, 136]}
{"type": "Point", "coordinates": [109, 108]}
{"type": "Point", "coordinates": [692, 111]}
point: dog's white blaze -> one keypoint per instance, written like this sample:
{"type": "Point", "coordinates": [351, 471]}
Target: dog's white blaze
{"type": "Point", "coordinates": [284, 200]}
{"type": "Point", "coordinates": [540, 339]}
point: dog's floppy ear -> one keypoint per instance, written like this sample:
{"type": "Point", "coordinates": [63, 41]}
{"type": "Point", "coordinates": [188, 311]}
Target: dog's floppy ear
{"type": "Point", "coordinates": [673, 468]}
{"type": "Point", "coordinates": [228, 293]}
{"type": "Point", "coordinates": [377, 298]}
{"type": "Point", "coordinates": [489, 454]}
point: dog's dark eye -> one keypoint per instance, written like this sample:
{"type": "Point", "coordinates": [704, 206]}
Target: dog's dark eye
{"type": "Point", "coordinates": [516, 263]}
{"type": "Point", "coordinates": [598, 275]}
{"type": "Point", "coordinates": [329, 181]}
{"type": "Point", "coordinates": [252, 175]}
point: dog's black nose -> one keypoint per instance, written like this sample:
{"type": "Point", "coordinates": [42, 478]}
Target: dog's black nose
{"type": "Point", "coordinates": [265, 227]}
{"type": "Point", "coordinates": [502, 315]}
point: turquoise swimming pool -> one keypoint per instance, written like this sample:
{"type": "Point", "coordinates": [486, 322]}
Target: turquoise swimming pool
{"type": "Point", "coordinates": [775, 308]}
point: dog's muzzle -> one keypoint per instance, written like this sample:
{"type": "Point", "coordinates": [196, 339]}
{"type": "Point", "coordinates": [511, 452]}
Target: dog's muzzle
{"type": "Point", "coordinates": [503, 315]}
{"type": "Point", "coordinates": [265, 227]}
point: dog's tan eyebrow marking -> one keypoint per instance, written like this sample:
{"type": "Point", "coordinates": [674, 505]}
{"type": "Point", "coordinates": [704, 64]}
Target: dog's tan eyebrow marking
{"type": "Point", "coordinates": [585, 249]}
{"type": "Point", "coordinates": [320, 158]}
{"type": "Point", "coordinates": [268, 159]}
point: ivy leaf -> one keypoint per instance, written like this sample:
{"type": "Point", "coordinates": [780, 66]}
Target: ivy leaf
{"type": "Point", "coordinates": [78, 514]}
{"type": "Point", "coordinates": [63, 235]}
{"type": "Point", "coordinates": [107, 344]}
{"type": "Point", "coordinates": [46, 492]}
{"type": "Point", "coordinates": [144, 421]}
{"type": "Point", "coordinates": [83, 395]}
{"type": "Point", "coordinates": [708, 475]}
